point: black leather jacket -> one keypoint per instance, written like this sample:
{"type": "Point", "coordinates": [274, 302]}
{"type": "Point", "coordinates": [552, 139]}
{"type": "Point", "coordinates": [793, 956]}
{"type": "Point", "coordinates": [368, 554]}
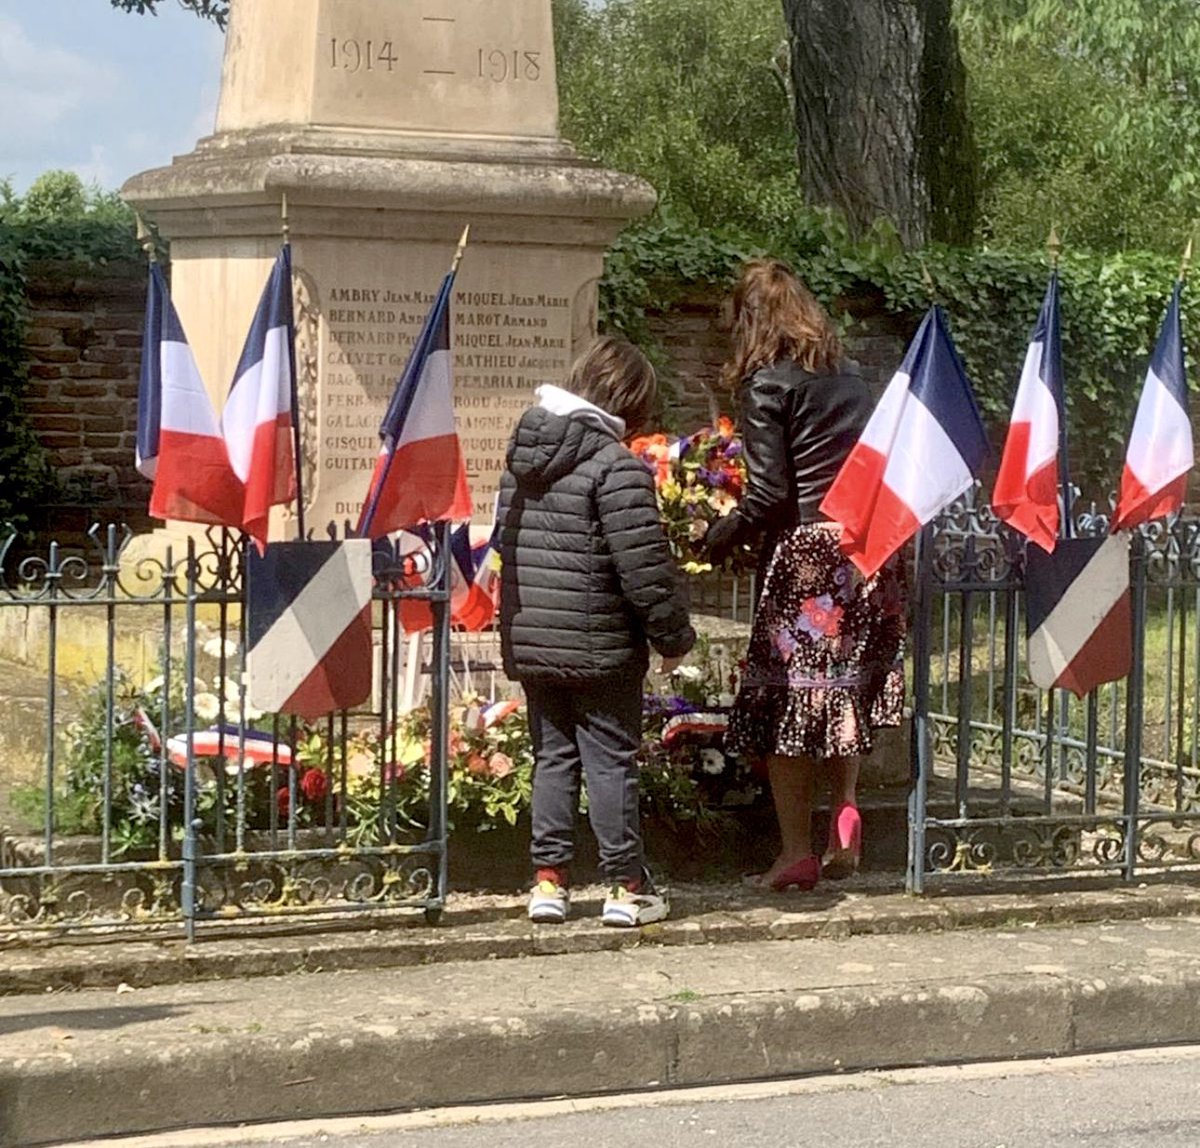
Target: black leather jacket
{"type": "Point", "coordinates": [797, 429]}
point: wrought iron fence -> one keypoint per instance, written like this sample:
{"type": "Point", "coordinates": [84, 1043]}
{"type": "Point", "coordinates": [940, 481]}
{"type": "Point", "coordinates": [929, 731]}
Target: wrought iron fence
{"type": "Point", "coordinates": [1011, 779]}
{"type": "Point", "coordinates": [186, 805]}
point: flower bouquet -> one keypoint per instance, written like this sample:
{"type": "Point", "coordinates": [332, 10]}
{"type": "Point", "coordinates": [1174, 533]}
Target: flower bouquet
{"type": "Point", "coordinates": [699, 478]}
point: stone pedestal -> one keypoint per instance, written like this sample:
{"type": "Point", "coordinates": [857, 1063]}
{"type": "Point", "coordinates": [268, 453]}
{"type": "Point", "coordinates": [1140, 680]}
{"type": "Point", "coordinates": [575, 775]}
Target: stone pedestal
{"type": "Point", "coordinates": [389, 125]}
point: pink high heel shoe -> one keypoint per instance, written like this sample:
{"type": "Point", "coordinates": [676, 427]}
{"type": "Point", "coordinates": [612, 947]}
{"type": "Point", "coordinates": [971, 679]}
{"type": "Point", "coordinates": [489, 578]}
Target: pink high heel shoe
{"type": "Point", "coordinates": [803, 875]}
{"type": "Point", "coordinates": [845, 844]}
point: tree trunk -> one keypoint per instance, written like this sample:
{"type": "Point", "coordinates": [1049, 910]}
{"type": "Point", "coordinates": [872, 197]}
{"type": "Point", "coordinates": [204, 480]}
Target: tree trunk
{"type": "Point", "coordinates": [879, 92]}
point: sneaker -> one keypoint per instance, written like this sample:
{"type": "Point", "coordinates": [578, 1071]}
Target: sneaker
{"type": "Point", "coordinates": [627, 908]}
{"type": "Point", "coordinates": [549, 903]}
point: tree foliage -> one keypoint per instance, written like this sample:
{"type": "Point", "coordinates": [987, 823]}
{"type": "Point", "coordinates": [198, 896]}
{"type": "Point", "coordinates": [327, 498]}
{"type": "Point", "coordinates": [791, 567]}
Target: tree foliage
{"type": "Point", "coordinates": [691, 96]}
{"type": "Point", "coordinates": [1087, 114]}
{"type": "Point", "coordinates": [215, 10]}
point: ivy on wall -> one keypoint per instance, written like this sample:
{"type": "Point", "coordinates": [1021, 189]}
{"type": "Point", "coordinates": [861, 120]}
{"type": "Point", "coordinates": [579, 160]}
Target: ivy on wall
{"type": "Point", "coordinates": [1111, 307]}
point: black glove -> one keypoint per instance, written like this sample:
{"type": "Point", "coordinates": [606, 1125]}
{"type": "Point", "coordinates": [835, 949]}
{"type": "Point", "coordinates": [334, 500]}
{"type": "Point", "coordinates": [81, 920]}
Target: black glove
{"type": "Point", "coordinates": [722, 537]}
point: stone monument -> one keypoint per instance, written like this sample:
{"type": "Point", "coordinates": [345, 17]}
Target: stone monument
{"type": "Point", "coordinates": [388, 125]}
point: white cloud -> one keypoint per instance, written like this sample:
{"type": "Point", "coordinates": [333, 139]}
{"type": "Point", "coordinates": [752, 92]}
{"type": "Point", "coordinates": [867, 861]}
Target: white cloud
{"type": "Point", "coordinates": [42, 87]}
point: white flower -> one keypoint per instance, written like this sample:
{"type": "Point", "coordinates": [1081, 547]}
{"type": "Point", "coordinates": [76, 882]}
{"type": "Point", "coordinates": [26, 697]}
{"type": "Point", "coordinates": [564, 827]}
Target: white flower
{"type": "Point", "coordinates": [215, 647]}
{"type": "Point", "coordinates": [153, 685]}
{"type": "Point", "coordinates": [206, 706]}
{"type": "Point", "coordinates": [688, 673]}
{"type": "Point", "coordinates": [712, 761]}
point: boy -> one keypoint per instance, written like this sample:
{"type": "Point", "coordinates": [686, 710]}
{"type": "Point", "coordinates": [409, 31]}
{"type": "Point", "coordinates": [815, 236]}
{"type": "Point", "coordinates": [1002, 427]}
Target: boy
{"type": "Point", "coordinates": [587, 584]}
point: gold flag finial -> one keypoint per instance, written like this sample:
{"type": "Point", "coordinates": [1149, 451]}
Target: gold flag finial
{"type": "Point", "coordinates": [1054, 246]}
{"type": "Point", "coordinates": [145, 239]}
{"type": "Point", "coordinates": [283, 218]}
{"type": "Point", "coordinates": [1185, 263]}
{"type": "Point", "coordinates": [927, 281]}
{"type": "Point", "coordinates": [462, 246]}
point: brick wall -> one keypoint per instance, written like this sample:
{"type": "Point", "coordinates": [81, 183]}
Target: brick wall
{"type": "Point", "coordinates": [84, 342]}
{"type": "Point", "coordinates": [697, 344]}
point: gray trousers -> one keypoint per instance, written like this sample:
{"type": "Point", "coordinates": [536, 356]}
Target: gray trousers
{"type": "Point", "coordinates": [593, 731]}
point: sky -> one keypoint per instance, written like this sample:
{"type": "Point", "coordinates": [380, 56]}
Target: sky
{"type": "Point", "coordinates": [87, 88]}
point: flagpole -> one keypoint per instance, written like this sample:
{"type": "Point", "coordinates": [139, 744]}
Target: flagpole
{"type": "Point", "coordinates": [1066, 527]}
{"type": "Point", "coordinates": [417, 356]}
{"type": "Point", "coordinates": [297, 445]}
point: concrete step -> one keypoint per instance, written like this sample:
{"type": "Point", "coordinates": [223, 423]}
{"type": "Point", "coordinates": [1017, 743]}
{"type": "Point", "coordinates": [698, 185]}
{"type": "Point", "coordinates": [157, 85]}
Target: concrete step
{"type": "Point", "coordinates": [97, 1063]}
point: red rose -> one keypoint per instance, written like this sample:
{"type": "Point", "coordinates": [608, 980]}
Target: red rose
{"type": "Point", "coordinates": [315, 785]}
{"type": "Point", "coordinates": [282, 802]}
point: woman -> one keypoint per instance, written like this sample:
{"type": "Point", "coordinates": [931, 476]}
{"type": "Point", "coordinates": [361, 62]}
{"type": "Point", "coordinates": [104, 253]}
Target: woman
{"type": "Point", "coordinates": [824, 667]}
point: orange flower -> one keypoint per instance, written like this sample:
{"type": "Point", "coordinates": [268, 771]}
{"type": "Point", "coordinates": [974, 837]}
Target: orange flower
{"type": "Point", "coordinates": [725, 426]}
{"type": "Point", "coordinates": [477, 764]}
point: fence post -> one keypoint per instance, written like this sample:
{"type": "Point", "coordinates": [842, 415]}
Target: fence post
{"type": "Point", "coordinates": [187, 891]}
{"type": "Point", "coordinates": [919, 746]}
{"type": "Point", "coordinates": [440, 717]}
{"type": "Point", "coordinates": [1134, 697]}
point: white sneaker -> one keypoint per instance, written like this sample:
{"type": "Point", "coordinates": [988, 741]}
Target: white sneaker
{"type": "Point", "coordinates": [549, 903]}
{"type": "Point", "coordinates": [627, 910]}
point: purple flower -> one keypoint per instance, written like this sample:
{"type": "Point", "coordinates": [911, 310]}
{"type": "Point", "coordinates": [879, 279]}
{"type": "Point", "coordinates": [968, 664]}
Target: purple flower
{"type": "Point", "coordinates": [733, 449]}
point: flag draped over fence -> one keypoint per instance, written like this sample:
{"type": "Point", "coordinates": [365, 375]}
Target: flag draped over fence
{"type": "Point", "coordinates": [921, 449]}
{"type": "Point", "coordinates": [1027, 485]}
{"type": "Point", "coordinates": [1160, 452]}
{"type": "Point", "coordinates": [1077, 613]}
{"type": "Point", "coordinates": [257, 420]}
{"type": "Point", "coordinates": [309, 626]}
{"type": "Point", "coordinates": [419, 475]}
{"type": "Point", "coordinates": [179, 443]}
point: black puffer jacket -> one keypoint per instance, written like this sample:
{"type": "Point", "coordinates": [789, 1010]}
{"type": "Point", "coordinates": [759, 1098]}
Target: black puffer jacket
{"type": "Point", "coordinates": [586, 575]}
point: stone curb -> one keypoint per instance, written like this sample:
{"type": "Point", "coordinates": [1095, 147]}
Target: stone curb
{"type": "Point", "coordinates": [404, 942]}
{"type": "Point", "coordinates": [722, 1040]}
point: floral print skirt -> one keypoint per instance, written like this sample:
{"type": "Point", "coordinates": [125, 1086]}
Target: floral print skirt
{"type": "Point", "coordinates": [825, 664]}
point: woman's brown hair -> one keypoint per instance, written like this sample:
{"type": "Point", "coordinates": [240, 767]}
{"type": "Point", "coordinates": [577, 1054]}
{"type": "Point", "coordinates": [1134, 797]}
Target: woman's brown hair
{"type": "Point", "coordinates": [614, 375]}
{"type": "Point", "coordinates": [776, 317]}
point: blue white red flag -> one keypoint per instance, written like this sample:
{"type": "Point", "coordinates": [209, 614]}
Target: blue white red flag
{"type": "Point", "coordinates": [257, 420]}
{"type": "Point", "coordinates": [419, 475]}
{"type": "Point", "coordinates": [1027, 484]}
{"type": "Point", "coordinates": [1077, 613]}
{"type": "Point", "coordinates": [1160, 451]}
{"type": "Point", "coordinates": [309, 627]}
{"type": "Point", "coordinates": [921, 448]}
{"type": "Point", "coordinates": [474, 582]}
{"type": "Point", "coordinates": [179, 444]}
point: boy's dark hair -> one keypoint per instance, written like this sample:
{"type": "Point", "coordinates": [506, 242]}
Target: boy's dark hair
{"type": "Point", "coordinates": [614, 375]}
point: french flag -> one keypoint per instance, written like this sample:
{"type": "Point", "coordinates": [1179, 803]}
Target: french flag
{"type": "Point", "coordinates": [1160, 452]}
{"type": "Point", "coordinates": [257, 420]}
{"type": "Point", "coordinates": [1026, 491]}
{"type": "Point", "coordinates": [921, 449]}
{"type": "Point", "coordinates": [179, 444]}
{"type": "Point", "coordinates": [472, 588]}
{"type": "Point", "coordinates": [419, 475]}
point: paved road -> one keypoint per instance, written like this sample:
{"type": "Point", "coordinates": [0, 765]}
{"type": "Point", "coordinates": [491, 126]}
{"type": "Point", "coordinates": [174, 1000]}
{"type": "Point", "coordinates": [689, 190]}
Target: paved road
{"type": "Point", "coordinates": [1146, 1099]}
